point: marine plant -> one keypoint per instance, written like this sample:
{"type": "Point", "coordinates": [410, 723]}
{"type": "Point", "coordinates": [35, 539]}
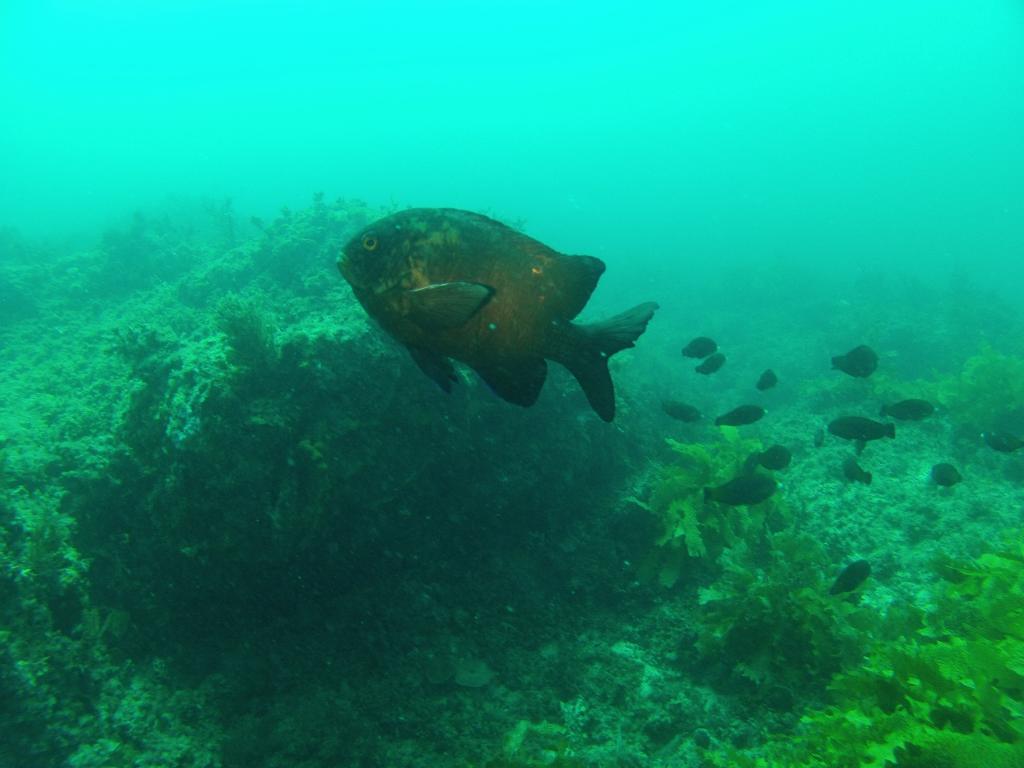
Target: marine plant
{"type": "Point", "coordinates": [690, 528]}
{"type": "Point", "coordinates": [148, 249]}
{"type": "Point", "coordinates": [768, 627]}
{"type": "Point", "coordinates": [988, 389]}
{"type": "Point", "coordinates": [767, 630]}
{"type": "Point", "coordinates": [947, 691]}
{"type": "Point", "coordinates": [251, 346]}
{"type": "Point", "coordinates": [297, 240]}
{"type": "Point", "coordinates": [46, 552]}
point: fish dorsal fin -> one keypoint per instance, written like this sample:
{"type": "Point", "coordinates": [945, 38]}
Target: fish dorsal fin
{"type": "Point", "coordinates": [446, 305]}
{"type": "Point", "coordinates": [578, 278]}
{"type": "Point", "coordinates": [519, 384]}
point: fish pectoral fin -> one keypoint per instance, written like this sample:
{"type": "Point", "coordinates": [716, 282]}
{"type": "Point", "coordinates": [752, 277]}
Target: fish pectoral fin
{"type": "Point", "coordinates": [446, 305]}
{"type": "Point", "coordinates": [437, 367]}
{"type": "Point", "coordinates": [519, 384]}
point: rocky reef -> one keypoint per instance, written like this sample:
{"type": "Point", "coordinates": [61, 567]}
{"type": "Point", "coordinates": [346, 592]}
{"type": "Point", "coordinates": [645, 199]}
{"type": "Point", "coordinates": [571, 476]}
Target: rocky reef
{"type": "Point", "coordinates": [238, 527]}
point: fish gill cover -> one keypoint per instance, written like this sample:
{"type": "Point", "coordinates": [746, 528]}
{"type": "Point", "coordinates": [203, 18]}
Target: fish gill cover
{"type": "Point", "coordinates": [239, 526]}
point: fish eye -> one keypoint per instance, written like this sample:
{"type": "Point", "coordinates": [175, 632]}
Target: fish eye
{"type": "Point", "coordinates": [370, 242]}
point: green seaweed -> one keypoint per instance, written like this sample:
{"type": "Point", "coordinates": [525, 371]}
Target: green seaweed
{"type": "Point", "coordinates": [296, 240]}
{"type": "Point", "coordinates": [690, 528]}
{"type": "Point", "coordinates": [989, 387]}
{"type": "Point", "coordinates": [252, 349]}
{"type": "Point", "coordinates": [987, 390]}
{"type": "Point", "coordinates": [768, 627]}
{"type": "Point", "coordinates": [948, 691]}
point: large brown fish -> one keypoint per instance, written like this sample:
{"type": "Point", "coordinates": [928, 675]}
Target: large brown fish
{"type": "Point", "coordinates": [453, 284]}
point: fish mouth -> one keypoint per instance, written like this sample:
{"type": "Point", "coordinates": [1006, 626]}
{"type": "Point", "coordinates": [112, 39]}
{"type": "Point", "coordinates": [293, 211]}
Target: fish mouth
{"type": "Point", "coordinates": [350, 271]}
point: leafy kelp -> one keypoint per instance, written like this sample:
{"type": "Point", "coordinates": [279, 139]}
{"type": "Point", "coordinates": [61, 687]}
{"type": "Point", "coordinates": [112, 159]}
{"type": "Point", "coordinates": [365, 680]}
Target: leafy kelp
{"type": "Point", "coordinates": [948, 690]}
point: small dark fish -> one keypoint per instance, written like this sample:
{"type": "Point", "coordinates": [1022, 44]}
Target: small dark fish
{"type": "Point", "coordinates": [1002, 441]}
{"type": "Point", "coordinates": [712, 364]}
{"type": "Point", "coordinates": [702, 346]}
{"type": "Point", "coordinates": [745, 489]}
{"type": "Point", "coordinates": [680, 411]}
{"type": "Point", "coordinates": [945, 475]}
{"type": "Point", "coordinates": [455, 285]}
{"type": "Point", "coordinates": [767, 380]}
{"type": "Point", "coordinates": [855, 473]}
{"type": "Point", "coordinates": [819, 437]}
{"type": "Point", "coordinates": [851, 577]}
{"type": "Point", "coordinates": [775, 457]}
{"type": "Point", "coordinates": [908, 410]}
{"type": "Point", "coordinates": [737, 417]}
{"type": "Point", "coordinates": [860, 429]}
{"type": "Point", "coordinates": [860, 361]}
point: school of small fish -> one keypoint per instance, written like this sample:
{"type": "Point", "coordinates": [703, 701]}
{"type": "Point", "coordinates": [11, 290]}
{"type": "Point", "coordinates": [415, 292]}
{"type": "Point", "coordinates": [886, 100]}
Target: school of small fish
{"type": "Point", "coordinates": [752, 486]}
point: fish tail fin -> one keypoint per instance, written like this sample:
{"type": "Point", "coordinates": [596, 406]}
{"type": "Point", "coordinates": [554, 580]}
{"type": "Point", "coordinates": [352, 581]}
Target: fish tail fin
{"type": "Point", "coordinates": [585, 349]}
{"type": "Point", "coordinates": [891, 431]}
{"type": "Point", "coordinates": [621, 331]}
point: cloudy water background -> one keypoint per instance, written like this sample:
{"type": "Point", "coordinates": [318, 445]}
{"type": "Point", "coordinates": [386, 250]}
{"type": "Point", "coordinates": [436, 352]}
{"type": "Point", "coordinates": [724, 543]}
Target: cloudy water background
{"type": "Point", "coordinates": [686, 138]}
